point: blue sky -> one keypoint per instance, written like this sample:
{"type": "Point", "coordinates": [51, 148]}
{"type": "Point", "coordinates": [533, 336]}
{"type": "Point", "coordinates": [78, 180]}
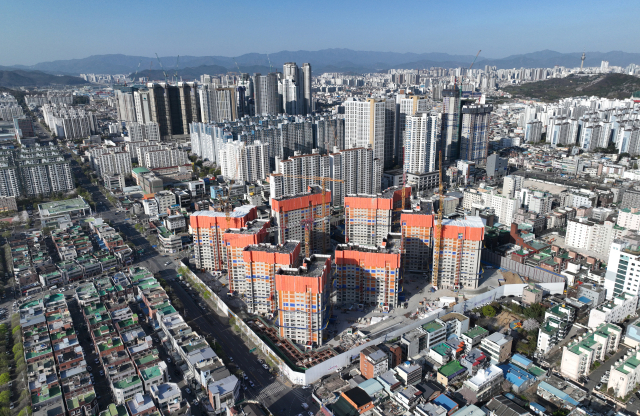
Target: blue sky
{"type": "Point", "coordinates": [37, 31]}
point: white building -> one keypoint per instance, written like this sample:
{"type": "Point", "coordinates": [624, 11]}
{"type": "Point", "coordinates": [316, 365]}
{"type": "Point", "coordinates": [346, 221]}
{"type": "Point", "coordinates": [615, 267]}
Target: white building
{"type": "Point", "coordinates": [505, 208]}
{"type": "Point", "coordinates": [150, 207]}
{"type": "Point", "coordinates": [625, 374]}
{"type": "Point", "coordinates": [512, 183]}
{"type": "Point", "coordinates": [629, 218]}
{"type": "Point", "coordinates": [616, 310]}
{"type": "Point", "coordinates": [239, 161]}
{"type": "Point", "coordinates": [579, 355]}
{"type": "Point", "coordinates": [113, 162]}
{"type": "Point", "coordinates": [165, 158]}
{"type": "Point", "coordinates": [365, 125]}
{"type": "Point", "coordinates": [149, 131]}
{"type": "Point", "coordinates": [591, 235]}
{"type": "Point", "coordinates": [623, 270]}
{"type": "Point", "coordinates": [420, 143]}
{"type": "Point", "coordinates": [218, 104]}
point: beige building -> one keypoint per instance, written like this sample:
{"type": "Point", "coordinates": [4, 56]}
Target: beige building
{"type": "Point", "coordinates": [497, 346]}
{"type": "Point", "coordinates": [531, 295]}
{"type": "Point", "coordinates": [625, 373]}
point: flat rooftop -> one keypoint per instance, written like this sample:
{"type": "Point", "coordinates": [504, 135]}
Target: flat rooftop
{"type": "Point", "coordinates": [252, 227]}
{"type": "Point", "coordinates": [238, 212]}
{"type": "Point", "coordinates": [58, 207]}
{"type": "Point", "coordinates": [287, 248]}
{"type": "Point", "coordinates": [312, 267]}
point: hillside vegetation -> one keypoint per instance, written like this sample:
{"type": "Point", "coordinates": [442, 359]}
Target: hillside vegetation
{"type": "Point", "coordinates": [608, 86]}
{"type": "Point", "coordinates": [20, 78]}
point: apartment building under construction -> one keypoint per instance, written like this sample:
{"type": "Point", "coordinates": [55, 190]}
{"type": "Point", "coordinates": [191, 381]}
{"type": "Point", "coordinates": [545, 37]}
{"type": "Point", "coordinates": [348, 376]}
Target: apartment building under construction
{"type": "Point", "coordinates": [417, 232]}
{"type": "Point", "coordinates": [292, 213]}
{"type": "Point", "coordinates": [261, 262]}
{"type": "Point", "coordinates": [207, 229]}
{"type": "Point", "coordinates": [303, 295]}
{"type": "Point", "coordinates": [370, 218]}
{"type": "Point", "coordinates": [368, 275]}
{"type": "Point", "coordinates": [235, 240]}
{"type": "Point", "coordinates": [459, 260]}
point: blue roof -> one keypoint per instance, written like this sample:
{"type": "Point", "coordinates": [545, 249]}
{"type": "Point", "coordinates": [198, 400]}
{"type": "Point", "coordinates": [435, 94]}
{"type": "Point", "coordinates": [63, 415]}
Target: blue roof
{"type": "Point", "coordinates": [558, 393]}
{"type": "Point", "coordinates": [537, 406]}
{"type": "Point", "coordinates": [444, 401]}
{"type": "Point", "coordinates": [521, 360]}
{"type": "Point", "coordinates": [371, 386]}
{"type": "Point", "coordinates": [584, 299]}
{"type": "Point", "coordinates": [516, 375]}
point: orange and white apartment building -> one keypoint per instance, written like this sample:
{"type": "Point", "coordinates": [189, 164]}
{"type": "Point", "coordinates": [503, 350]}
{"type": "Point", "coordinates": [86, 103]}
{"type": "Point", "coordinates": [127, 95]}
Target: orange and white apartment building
{"type": "Point", "coordinates": [207, 229]}
{"type": "Point", "coordinates": [261, 262]}
{"type": "Point", "coordinates": [370, 218]}
{"type": "Point", "coordinates": [460, 255]}
{"type": "Point", "coordinates": [303, 300]}
{"type": "Point", "coordinates": [290, 211]}
{"type": "Point", "coordinates": [417, 231]}
{"type": "Point", "coordinates": [369, 275]}
{"type": "Point", "coordinates": [235, 241]}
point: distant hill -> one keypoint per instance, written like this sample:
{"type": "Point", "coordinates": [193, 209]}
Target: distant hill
{"type": "Point", "coordinates": [21, 78]}
{"type": "Point", "coordinates": [608, 86]}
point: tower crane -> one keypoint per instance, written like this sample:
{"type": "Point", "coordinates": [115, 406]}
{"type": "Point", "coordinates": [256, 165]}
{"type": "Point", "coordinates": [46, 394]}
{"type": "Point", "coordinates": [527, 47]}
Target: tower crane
{"type": "Point", "coordinates": [162, 67]}
{"type": "Point", "coordinates": [270, 66]}
{"type": "Point", "coordinates": [438, 237]}
{"type": "Point", "coordinates": [308, 222]}
{"type": "Point", "coordinates": [177, 63]}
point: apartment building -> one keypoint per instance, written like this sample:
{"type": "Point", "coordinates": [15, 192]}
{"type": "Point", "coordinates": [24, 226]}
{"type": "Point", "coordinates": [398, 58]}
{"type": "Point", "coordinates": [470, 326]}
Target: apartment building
{"type": "Point", "coordinates": [459, 259]}
{"type": "Point", "coordinates": [294, 214]}
{"type": "Point", "coordinates": [261, 263]}
{"type": "Point", "coordinates": [473, 337]}
{"type": "Point", "coordinates": [165, 200]}
{"type": "Point", "coordinates": [207, 229]}
{"type": "Point", "coordinates": [33, 171]}
{"type": "Point", "coordinates": [511, 184]}
{"type": "Point", "coordinates": [365, 125]}
{"type": "Point", "coordinates": [485, 384]}
{"type": "Point", "coordinates": [235, 241]}
{"type": "Point", "coordinates": [616, 310]}
{"type": "Point", "coordinates": [355, 171]}
{"type": "Point", "coordinates": [417, 231]}
{"type": "Point", "coordinates": [579, 355]}
{"type": "Point", "coordinates": [147, 132]}
{"type": "Point", "coordinates": [595, 236]}
{"type": "Point", "coordinates": [420, 143]}
{"type": "Point", "coordinates": [240, 161]}
{"type": "Point", "coordinates": [162, 158]}
{"type": "Point", "coordinates": [113, 162]}
{"type": "Point", "coordinates": [625, 373]}
{"type": "Point", "coordinates": [303, 300]}
{"type": "Point", "coordinates": [474, 133]}
{"type": "Point", "coordinates": [497, 346]}
{"type": "Point", "coordinates": [369, 275]}
{"type": "Point", "coordinates": [370, 218]}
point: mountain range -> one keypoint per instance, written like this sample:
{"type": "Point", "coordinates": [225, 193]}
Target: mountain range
{"type": "Point", "coordinates": [326, 60]}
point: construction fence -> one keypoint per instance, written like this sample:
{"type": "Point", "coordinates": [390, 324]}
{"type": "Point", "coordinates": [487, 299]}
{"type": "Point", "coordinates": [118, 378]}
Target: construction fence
{"type": "Point", "coordinates": [532, 273]}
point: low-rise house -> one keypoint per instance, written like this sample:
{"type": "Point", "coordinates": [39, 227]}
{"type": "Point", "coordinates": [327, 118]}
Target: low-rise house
{"type": "Point", "coordinates": [151, 376]}
{"type": "Point", "coordinates": [579, 356]}
{"type": "Point", "coordinates": [475, 360]}
{"type": "Point", "coordinates": [450, 372]}
{"type": "Point", "coordinates": [562, 393]}
{"type": "Point", "coordinates": [497, 346]}
{"type": "Point", "coordinates": [519, 378]}
{"type": "Point", "coordinates": [141, 405]}
{"type": "Point", "coordinates": [167, 397]}
{"type": "Point", "coordinates": [124, 390]}
{"type": "Point", "coordinates": [224, 393]}
{"type": "Point", "coordinates": [502, 406]}
{"type": "Point", "coordinates": [409, 374]}
{"type": "Point", "coordinates": [473, 337]}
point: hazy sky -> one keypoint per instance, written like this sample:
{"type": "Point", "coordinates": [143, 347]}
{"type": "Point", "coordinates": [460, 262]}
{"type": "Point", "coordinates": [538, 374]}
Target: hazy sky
{"type": "Point", "coordinates": [37, 31]}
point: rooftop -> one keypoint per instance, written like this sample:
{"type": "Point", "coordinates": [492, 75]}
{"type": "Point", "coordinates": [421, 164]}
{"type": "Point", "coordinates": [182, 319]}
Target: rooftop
{"type": "Point", "coordinates": [451, 368]}
{"type": "Point", "coordinates": [475, 332]}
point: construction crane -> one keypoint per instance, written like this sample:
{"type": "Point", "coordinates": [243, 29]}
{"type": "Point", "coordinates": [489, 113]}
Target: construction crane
{"type": "Point", "coordinates": [270, 66]}
{"type": "Point", "coordinates": [136, 74]}
{"type": "Point", "coordinates": [438, 237]}
{"type": "Point", "coordinates": [162, 67]}
{"type": "Point", "coordinates": [308, 222]}
{"type": "Point", "coordinates": [237, 66]}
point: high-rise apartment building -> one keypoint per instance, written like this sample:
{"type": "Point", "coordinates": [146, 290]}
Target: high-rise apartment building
{"type": "Point", "coordinates": [365, 125]}
{"type": "Point", "coordinates": [113, 162]}
{"type": "Point", "coordinates": [207, 229]}
{"type": "Point", "coordinates": [69, 122]}
{"type": "Point", "coordinates": [142, 103]}
{"type": "Point", "coordinates": [174, 107]}
{"type": "Point", "coordinates": [307, 88]}
{"type": "Point", "coordinates": [125, 103]}
{"type": "Point", "coordinates": [149, 131]}
{"type": "Point", "coordinates": [359, 172]}
{"type": "Point", "coordinates": [244, 162]}
{"type": "Point", "coordinates": [370, 218]}
{"type": "Point", "coordinates": [407, 106]}
{"type": "Point", "coordinates": [420, 143]}
{"type": "Point", "coordinates": [474, 135]}
{"type": "Point", "coordinates": [369, 275]}
{"type": "Point", "coordinates": [624, 259]}
{"type": "Point", "coordinates": [261, 263]}
{"type": "Point", "coordinates": [303, 297]}
{"type": "Point", "coordinates": [235, 241]}
{"type": "Point", "coordinates": [165, 157]}
{"type": "Point", "coordinates": [533, 131]}
{"type": "Point", "coordinates": [218, 104]}
{"type": "Point", "coordinates": [459, 259]}
{"type": "Point", "coordinates": [511, 184]}
{"type": "Point", "coordinates": [450, 135]}
{"type": "Point", "coordinates": [417, 231]}
{"type": "Point", "coordinates": [294, 213]}
{"type": "Point", "coordinates": [266, 93]}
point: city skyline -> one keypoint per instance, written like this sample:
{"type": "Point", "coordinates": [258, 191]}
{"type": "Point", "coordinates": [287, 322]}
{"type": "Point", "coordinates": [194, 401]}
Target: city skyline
{"type": "Point", "coordinates": [78, 31]}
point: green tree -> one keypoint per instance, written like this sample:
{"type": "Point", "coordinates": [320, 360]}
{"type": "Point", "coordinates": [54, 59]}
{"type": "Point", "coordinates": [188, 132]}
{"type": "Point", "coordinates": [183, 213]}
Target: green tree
{"type": "Point", "coordinates": [26, 411]}
{"type": "Point", "coordinates": [488, 311]}
{"type": "Point", "coordinates": [5, 398]}
{"type": "Point", "coordinates": [4, 378]}
{"type": "Point", "coordinates": [560, 412]}
{"type": "Point", "coordinates": [18, 348]}
{"type": "Point", "coordinates": [15, 329]}
{"type": "Point", "coordinates": [535, 311]}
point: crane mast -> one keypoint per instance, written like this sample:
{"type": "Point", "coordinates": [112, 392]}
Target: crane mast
{"type": "Point", "coordinates": [438, 237]}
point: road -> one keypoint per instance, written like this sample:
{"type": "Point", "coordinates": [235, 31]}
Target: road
{"type": "Point", "coordinates": [270, 391]}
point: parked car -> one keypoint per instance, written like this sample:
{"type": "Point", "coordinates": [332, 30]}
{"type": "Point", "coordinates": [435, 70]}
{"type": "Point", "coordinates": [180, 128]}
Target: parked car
{"type": "Point", "coordinates": [168, 359]}
{"type": "Point", "coordinates": [599, 386]}
{"type": "Point", "coordinates": [188, 390]}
